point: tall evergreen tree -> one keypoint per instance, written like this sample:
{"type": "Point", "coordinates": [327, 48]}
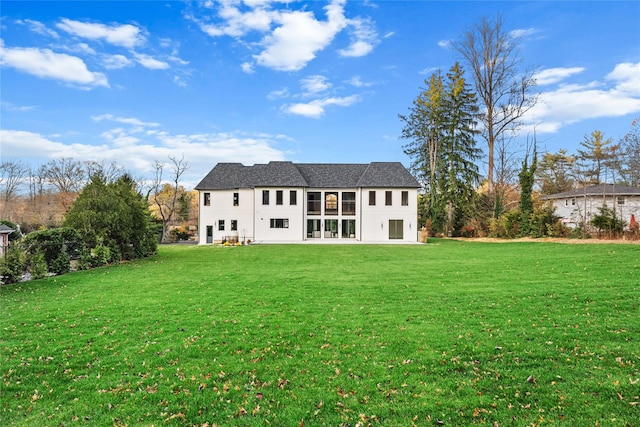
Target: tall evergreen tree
{"type": "Point", "coordinates": [424, 128]}
{"type": "Point", "coordinates": [459, 149]}
{"type": "Point", "coordinates": [595, 157]}
{"type": "Point", "coordinates": [114, 215]}
{"type": "Point", "coordinates": [554, 172]}
{"type": "Point", "coordinates": [527, 179]}
{"type": "Point", "coordinates": [441, 129]}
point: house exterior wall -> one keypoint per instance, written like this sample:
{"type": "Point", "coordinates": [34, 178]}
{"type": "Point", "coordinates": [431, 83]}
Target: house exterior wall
{"type": "Point", "coordinates": [574, 209]}
{"type": "Point", "coordinates": [278, 222]}
{"type": "Point", "coordinates": [376, 218]}
{"type": "Point", "coordinates": [221, 208]}
{"type": "Point", "coordinates": [265, 222]}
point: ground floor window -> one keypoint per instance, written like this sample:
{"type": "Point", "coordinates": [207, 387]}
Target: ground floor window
{"type": "Point", "coordinates": [396, 227]}
{"type": "Point", "coordinates": [234, 225]}
{"type": "Point", "coordinates": [279, 223]}
{"type": "Point", "coordinates": [348, 228]}
{"type": "Point", "coordinates": [313, 228]}
{"type": "Point", "coordinates": [331, 228]}
{"type": "Point", "coordinates": [221, 225]}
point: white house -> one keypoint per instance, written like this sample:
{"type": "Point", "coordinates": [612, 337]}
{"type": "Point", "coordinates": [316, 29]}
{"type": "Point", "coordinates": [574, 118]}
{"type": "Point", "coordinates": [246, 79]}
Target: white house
{"type": "Point", "coordinates": [577, 206]}
{"type": "Point", "coordinates": [295, 202]}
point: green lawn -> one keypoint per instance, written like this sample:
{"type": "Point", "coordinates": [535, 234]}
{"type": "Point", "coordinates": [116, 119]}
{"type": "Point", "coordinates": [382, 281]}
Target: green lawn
{"type": "Point", "coordinates": [453, 333]}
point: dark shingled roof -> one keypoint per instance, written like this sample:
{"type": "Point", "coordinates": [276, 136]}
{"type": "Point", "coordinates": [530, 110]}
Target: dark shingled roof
{"type": "Point", "coordinates": [596, 190]}
{"type": "Point", "coordinates": [321, 175]}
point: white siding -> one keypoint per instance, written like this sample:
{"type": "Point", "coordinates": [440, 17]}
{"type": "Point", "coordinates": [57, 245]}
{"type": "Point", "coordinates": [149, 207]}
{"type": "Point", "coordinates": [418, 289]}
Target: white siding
{"type": "Point", "coordinates": [254, 218]}
{"type": "Point", "coordinates": [222, 208]}
{"type": "Point", "coordinates": [265, 213]}
{"type": "Point", "coordinates": [375, 219]}
{"type": "Point", "coordinates": [574, 210]}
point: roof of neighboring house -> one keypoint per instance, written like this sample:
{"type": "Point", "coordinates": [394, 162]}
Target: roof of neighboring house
{"type": "Point", "coordinates": [5, 229]}
{"type": "Point", "coordinates": [226, 176]}
{"type": "Point", "coordinates": [596, 190]}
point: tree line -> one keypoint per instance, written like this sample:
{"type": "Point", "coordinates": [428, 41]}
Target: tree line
{"type": "Point", "coordinates": [452, 112]}
{"type": "Point", "coordinates": [105, 215]}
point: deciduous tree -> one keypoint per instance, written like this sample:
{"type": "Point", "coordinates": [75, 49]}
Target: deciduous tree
{"type": "Point", "coordinates": [503, 88]}
{"type": "Point", "coordinates": [166, 197]}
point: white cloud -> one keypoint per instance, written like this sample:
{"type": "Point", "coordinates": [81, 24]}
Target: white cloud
{"type": "Point", "coordinates": [290, 38]}
{"type": "Point", "coordinates": [523, 32]}
{"type": "Point", "coordinates": [115, 62]}
{"type": "Point", "coordinates": [82, 48]}
{"type": "Point", "coordinates": [39, 28]}
{"type": "Point", "coordinates": [315, 84]}
{"type": "Point", "coordinates": [445, 44]}
{"type": "Point", "coordinates": [126, 35]}
{"type": "Point", "coordinates": [316, 108]}
{"type": "Point", "coordinates": [45, 63]}
{"type": "Point", "coordinates": [125, 120]}
{"type": "Point", "coordinates": [119, 137]}
{"type": "Point", "coordinates": [150, 62]}
{"type": "Point", "coordinates": [364, 38]}
{"type": "Point", "coordinates": [12, 107]}
{"type": "Point", "coordinates": [247, 67]}
{"type": "Point", "coordinates": [572, 103]}
{"type": "Point", "coordinates": [554, 75]}
{"type": "Point", "coordinates": [237, 23]}
{"type": "Point", "coordinates": [299, 37]}
{"type": "Point", "coordinates": [627, 78]}
{"type": "Point", "coordinates": [278, 94]}
{"type": "Point", "coordinates": [357, 82]}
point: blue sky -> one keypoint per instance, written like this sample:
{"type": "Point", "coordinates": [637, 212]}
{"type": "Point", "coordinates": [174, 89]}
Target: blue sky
{"type": "Point", "coordinates": [261, 80]}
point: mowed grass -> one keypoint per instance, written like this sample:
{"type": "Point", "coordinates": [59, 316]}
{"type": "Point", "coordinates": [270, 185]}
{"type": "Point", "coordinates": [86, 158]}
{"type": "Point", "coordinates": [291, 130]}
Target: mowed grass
{"type": "Point", "coordinates": [449, 333]}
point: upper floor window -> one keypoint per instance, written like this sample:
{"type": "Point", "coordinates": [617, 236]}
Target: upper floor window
{"type": "Point", "coordinates": [372, 198]}
{"type": "Point", "coordinates": [279, 196]}
{"type": "Point", "coordinates": [314, 203]}
{"type": "Point", "coordinates": [331, 203]}
{"type": "Point", "coordinates": [236, 199]}
{"type": "Point", "coordinates": [348, 203]}
{"type": "Point", "coordinates": [293, 197]}
{"type": "Point", "coordinates": [265, 197]}
{"type": "Point", "coordinates": [207, 199]}
{"type": "Point", "coordinates": [405, 198]}
{"type": "Point", "coordinates": [388, 198]}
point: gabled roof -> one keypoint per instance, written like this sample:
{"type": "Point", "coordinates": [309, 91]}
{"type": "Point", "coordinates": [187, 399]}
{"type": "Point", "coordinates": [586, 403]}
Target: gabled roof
{"type": "Point", "coordinates": [5, 229]}
{"type": "Point", "coordinates": [226, 176]}
{"type": "Point", "coordinates": [595, 191]}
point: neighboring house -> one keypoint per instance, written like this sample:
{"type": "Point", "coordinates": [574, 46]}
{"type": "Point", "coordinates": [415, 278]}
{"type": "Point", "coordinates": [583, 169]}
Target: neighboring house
{"type": "Point", "coordinates": [294, 202]}
{"type": "Point", "coordinates": [579, 206]}
{"type": "Point", "coordinates": [4, 238]}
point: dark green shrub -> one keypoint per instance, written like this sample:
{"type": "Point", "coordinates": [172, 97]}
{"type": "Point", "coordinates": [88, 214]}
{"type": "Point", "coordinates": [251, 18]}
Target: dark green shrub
{"type": "Point", "coordinates": [607, 221]}
{"type": "Point", "coordinates": [38, 268]}
{"type": "Point", "coordinates": [52, 242]}
{"type": "Point", "coordinates": [61, 264]}
{"type": "Point", "coordinates": [101, 256]}
{"type": "Point", "coordinates": [13, 264]}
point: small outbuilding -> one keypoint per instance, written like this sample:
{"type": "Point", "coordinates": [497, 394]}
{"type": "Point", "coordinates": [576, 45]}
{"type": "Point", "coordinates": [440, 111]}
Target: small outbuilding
{"type": "Point", "coordinates": [5, 230]}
